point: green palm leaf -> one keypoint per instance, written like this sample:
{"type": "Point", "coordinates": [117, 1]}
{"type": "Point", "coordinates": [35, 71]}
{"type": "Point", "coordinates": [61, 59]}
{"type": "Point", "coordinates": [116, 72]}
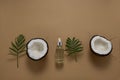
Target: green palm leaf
{"type": "Point", "coordinates": [18, 46]}
{"type": "Point", "coordinates": [73, 46]}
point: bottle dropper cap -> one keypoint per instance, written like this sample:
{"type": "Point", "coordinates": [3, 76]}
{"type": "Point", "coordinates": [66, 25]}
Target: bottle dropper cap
{"type": "Point", "coordinates": [59, 44]}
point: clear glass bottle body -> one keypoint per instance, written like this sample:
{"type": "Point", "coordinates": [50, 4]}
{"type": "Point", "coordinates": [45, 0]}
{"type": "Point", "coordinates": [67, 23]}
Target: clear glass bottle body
{"type": "Point", "coordinates": [59, 56]}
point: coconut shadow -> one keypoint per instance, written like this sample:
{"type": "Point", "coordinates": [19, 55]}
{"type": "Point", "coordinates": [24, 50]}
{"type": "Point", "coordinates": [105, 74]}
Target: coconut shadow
{"type": "Point", "coordinates": [36, 67]}
{"type": "Point", "coordinates": [100, 62]}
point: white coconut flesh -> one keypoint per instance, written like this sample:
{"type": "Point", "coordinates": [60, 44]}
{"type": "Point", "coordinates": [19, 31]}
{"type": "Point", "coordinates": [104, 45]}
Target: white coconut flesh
{"type": "Point", "coordinates": [37, 48]}
{"type": "Point", "coordinates": [101, 45]}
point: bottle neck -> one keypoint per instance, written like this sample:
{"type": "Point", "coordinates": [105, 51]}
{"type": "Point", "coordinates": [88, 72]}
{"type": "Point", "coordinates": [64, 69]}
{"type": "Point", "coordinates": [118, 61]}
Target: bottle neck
{"type": "Point", "coordinates": [59, 46]}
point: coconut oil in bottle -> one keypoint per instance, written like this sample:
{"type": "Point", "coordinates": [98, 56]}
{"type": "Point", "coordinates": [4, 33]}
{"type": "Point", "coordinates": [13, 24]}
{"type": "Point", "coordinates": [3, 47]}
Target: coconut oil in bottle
{"type": "Point", "coordinates": [59, 55]}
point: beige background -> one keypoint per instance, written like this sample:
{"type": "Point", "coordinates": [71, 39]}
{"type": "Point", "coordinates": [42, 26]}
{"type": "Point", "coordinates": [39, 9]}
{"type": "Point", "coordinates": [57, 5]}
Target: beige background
{"type": "Point", "coordinates": [51, 19]}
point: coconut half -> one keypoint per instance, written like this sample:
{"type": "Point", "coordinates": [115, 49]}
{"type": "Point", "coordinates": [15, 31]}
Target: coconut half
{"type": "Point", "coordinates": [100, 45]}
{"type": "Point", "coordinates": [37, 48]}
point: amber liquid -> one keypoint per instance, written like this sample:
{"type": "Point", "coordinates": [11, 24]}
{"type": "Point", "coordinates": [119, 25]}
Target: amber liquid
{"type": "Point", "coordinates": [59, 56]}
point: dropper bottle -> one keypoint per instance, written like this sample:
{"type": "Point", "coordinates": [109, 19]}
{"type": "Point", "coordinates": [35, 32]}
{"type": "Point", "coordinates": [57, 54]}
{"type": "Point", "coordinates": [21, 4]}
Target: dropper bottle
{"type": "Point", "coordinates": [59, 56]}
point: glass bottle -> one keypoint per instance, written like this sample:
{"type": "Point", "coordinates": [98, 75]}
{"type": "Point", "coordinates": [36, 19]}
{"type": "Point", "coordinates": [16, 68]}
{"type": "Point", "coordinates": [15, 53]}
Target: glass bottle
{"type": "Point", "coordinates": [59, 56]}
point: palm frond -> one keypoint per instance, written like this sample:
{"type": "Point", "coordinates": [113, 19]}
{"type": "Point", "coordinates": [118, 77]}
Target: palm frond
{"type": "Point", "coordinates": [73, 46]}
{"type": "Point", "coordinates": [18, 46]}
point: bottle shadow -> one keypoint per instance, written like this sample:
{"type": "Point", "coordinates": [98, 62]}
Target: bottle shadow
{"type": "Point", "coordinates": [100, 62]}
{"type": "Point", "coordinates": [36, 66]}
{"type": "Point", "coordinates": [59, 66]}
